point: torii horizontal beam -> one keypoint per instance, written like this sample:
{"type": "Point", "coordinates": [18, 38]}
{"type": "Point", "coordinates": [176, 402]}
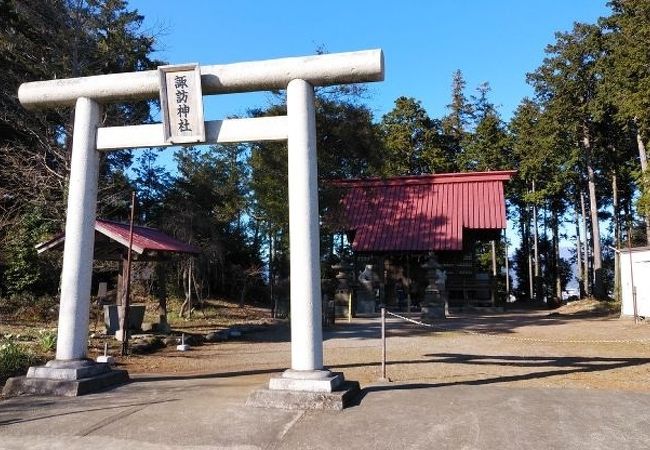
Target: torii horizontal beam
{"type": "Point", "coordinates": [216, 132]}
{"type": "Point", "coordinates": [273, 74]}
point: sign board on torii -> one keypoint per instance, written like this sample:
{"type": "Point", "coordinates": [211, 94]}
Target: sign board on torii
{"type": "Point", "coordinates": [298, 127]}
{"type": "Point", "coordinates": [181, 102]}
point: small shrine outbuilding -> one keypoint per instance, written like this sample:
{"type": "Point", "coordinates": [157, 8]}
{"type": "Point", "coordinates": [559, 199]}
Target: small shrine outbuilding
{"type": "Point", "coordinates": [112, 244]}
{"type": "Point", "coordinates": [412, 228]}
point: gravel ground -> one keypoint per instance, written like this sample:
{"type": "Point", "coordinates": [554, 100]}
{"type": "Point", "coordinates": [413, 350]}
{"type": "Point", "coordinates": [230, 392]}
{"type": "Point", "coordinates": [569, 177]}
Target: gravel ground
{"type": "Point", "coordinates": [566, 349]}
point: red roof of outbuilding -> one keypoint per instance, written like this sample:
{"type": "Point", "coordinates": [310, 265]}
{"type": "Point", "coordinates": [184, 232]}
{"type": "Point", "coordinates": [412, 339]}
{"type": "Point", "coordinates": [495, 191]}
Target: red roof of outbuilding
{"type": "Point", "coordinates": [145, 239]}
{"type": "Point", "coordinates": [422, 213]}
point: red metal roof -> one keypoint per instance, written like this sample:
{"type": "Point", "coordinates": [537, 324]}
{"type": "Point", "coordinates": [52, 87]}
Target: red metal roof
{"type": "Point", "coordinates": [144, 239]}
{"type": "Point", "coordinates": [422, 213]}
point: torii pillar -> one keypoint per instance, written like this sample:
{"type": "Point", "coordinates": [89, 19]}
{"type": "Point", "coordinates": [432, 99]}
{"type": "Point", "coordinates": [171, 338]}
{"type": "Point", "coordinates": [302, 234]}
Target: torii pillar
{"type": "Point", "coordinates": [307, 383]}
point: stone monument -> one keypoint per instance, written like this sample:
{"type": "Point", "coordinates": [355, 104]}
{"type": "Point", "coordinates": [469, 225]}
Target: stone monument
{"type": "Point", "coordinates": [368, 290]}
{"type": "Point", "coordinates": [435, 303]}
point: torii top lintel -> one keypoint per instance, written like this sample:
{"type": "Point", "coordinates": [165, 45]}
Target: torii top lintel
{"type": "Point", "coordinates": [318, 70]}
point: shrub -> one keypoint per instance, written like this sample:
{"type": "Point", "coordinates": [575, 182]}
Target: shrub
{"type": "Point", "coordinates": [25, 271]}
{"type": "Point", "coordinates": [27, 307]}
{"type": "Point", "coordinates": [14, 359]}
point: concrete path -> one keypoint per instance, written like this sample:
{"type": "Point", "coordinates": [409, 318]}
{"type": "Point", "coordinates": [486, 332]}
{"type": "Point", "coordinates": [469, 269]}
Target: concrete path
{"type": "Point", "coordinates": [204, 411]}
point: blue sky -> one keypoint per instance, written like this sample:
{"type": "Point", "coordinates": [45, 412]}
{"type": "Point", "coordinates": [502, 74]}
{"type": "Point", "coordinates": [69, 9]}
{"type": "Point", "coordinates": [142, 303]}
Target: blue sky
{"type": "Point", "coordinates": [424, 41]}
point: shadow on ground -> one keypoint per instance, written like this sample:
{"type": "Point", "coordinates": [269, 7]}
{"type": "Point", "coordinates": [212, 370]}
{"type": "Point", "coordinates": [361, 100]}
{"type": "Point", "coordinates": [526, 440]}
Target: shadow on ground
{"type": "Point", "coordinates": [370, 327]}
{"type": "Point", "coordinates": [554, 365]}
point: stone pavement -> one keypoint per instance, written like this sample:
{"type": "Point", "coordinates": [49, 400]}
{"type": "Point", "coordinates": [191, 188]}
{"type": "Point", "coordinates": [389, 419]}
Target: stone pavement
{"type": "Point", "coordinates": [208, 411]}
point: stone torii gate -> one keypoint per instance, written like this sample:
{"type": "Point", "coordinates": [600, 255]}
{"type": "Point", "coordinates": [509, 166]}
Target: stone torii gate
{"type": "Point", "coordinates": [71, 373]}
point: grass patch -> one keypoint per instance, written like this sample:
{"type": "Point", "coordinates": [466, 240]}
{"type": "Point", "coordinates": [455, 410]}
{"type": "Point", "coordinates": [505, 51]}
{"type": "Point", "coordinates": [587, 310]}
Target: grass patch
{"type": "Point", "coordinates": [15, 358]}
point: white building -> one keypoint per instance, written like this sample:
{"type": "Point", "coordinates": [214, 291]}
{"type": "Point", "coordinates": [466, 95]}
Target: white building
{"type": "Point", "coordinates": [638, 276]}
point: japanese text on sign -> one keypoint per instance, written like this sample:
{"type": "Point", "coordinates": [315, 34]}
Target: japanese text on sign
{"type": "Point", "coordinates": [182, 104]}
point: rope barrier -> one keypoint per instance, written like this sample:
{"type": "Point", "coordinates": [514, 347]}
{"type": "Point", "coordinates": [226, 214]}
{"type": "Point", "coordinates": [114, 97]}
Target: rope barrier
{"type": "Point", "coordinates": [520, 339]}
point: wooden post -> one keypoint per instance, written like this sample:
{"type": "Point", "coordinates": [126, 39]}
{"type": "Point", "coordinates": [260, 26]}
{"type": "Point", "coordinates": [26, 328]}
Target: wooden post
{"type": "Point", "coordinates": [274, 305]}
{"type": "Point", "coordinates": [507, 262]}
{"type": "Point", "coordinates": [127, 290]}
{"type": "Point", "coordinates": [494, 272]}
{"type": "Point", "coordinates": [408, 286]}
{"type": "Point", "coordinates": [189, 288]}
{"type": "Point", "coordinates": [383, 344]}
{"type": "Point", "coordinates": [350, 306]}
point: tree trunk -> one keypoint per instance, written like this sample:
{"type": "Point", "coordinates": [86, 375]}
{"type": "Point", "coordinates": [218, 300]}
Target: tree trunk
{"type": "Point", "coordinates": [187, 287]}
{"type": "Point", "coordinates": [585, 251]}
{"type": "Point", "coordinates": [161, 294]}
{"type": "Point", "coordinates": [557, 276]}
{"type": "Point", "coordinates": [524, 225]}
{"type": "Point", "coordinates": [242, 293]}
{"type": "Point", "coordinates": [544, 287]}
{"type": "Point", "coordinates": [529, 256]}
{"type": "Point", "coordinates": [593, 208]}
{"type": "Point", "coordinates": [580, 269]}
{"type": "Point", "coordinates": [644, 167]}
{"type": "Point", "coordinates": [617, 238]}
{"type": "Point", "coordinates": [197, 288]}
{"type": "Point", "coordinates": [531, 289]}
{"type": "Point", "coordinates": [537, 285]}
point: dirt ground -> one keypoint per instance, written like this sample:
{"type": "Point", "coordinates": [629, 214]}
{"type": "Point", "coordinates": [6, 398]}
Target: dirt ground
{"type": "Point", "coordinates": [577, 346]}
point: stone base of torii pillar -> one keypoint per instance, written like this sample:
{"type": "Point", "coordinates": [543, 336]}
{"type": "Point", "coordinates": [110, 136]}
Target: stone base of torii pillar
{"type": "Point", "coordinates": [65, 378]}
{"type": "Point", "coordinates": [306, 390]}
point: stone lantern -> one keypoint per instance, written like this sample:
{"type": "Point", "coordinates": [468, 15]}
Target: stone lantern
{"type": "Point", "coordinates": [343, 289]}
{"type": "Point", "coordinates": [435, 304]}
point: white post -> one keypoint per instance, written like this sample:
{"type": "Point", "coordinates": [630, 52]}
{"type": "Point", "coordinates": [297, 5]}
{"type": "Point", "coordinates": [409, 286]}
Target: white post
{"type": "Point", "coordinates": [80, 234]}
{"type": "Point", "coordinates": [304, 241]}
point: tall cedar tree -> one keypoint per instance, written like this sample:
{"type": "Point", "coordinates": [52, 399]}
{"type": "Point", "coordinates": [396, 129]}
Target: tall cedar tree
{"type": "Point", "coordinates": [413, 141]}
{"type": "Point", "coordinates": [627, 80]}
{"type": "Point", "coordinates": [566, 84]}
{"type": "Point", "coordinates": [456, 123]}
{"type": "Point", "coordinates": [487, 147]}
